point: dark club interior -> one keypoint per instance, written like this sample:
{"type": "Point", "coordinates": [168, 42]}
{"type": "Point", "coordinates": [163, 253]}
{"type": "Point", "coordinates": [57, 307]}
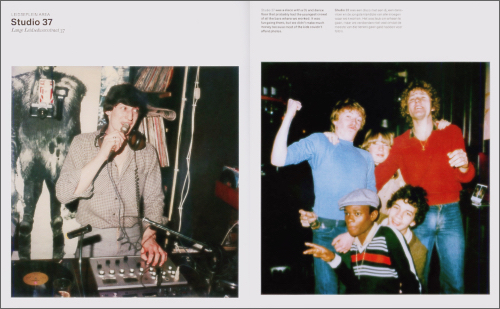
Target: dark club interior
{"type": "Point", "coordinates": [464, 92]}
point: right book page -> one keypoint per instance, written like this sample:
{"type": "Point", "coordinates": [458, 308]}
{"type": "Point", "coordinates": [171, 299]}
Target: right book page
{"type": "Point", "coordinates": [319, 53]}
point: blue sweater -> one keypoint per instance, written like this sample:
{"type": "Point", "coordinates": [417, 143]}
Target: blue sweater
{"type": "Point", "coordinates": [337, 170]}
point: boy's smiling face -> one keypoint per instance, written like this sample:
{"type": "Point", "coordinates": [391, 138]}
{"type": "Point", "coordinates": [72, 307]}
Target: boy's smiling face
{"type": "Point", "coordinates": [402, 216]}
{"type": "Point", "coordinates": [359, 220]}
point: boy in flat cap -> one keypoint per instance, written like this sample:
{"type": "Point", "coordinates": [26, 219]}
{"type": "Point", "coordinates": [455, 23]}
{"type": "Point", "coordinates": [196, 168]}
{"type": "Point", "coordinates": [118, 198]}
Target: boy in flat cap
{"type": "Point", "coordinates": [380, 259]}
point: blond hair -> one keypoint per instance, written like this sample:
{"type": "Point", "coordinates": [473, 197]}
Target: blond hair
{"type": "Point", "coordinates": [373, 135]}
{"type": "Point", "coordinates": [350, 105]}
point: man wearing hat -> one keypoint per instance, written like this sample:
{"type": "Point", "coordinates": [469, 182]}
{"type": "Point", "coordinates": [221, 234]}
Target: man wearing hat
{"type": "Point", "coordinates": [380, 259]}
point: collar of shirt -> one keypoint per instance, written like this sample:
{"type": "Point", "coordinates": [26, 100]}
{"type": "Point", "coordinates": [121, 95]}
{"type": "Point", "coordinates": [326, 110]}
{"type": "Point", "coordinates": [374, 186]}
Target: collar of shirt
{"type": "Point", "coordinates": [368, 238]}
{"type": "Point", "coordinates": [434, 128]}
{"type": "Point", "coordinates": [126, 162]}
{"type": "Point", "coordinates": [346, 143]}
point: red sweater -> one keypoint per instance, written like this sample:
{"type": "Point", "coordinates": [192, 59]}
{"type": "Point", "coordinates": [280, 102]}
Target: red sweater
{"type": "Point", "coordinates": [427, 168]}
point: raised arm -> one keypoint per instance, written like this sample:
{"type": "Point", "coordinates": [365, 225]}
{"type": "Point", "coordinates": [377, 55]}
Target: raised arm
{"type": "Point", "coordinates": [71, 171]}
{"type": "Point", "coordinates": [90, 170]}
{"type": "Point", "coordinates": [279, 152]}
{"type": "Point", "coordinates": [81, 165]}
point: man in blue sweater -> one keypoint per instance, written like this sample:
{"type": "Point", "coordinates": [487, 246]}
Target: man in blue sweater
{"type": "Point", "coordinates": [336, 169]}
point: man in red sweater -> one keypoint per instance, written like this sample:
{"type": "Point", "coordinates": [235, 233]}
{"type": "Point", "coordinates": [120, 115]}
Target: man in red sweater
{"type": "Point", "coordinates": [436, 161]}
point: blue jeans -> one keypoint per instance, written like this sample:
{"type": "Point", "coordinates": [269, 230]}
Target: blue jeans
{"type": "Point", "coordinates": [443, 226]}
{"type": "Point", "coordinates": [326, 281]}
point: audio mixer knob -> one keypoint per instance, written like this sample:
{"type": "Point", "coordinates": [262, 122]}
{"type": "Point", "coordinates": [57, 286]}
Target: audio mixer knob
{"type": "Point", "coordinates": [141, 269]}
{"type": "Point", "coordinates": [122, 270]}
{"type": "Point", "coordinates": [132, 270]}
{"type": "Point", "coordinates": [101, 272]}
{"type": "Point", "coordinates": [151, 268]}
{"type": "Point", "coordinates": [111, 271]}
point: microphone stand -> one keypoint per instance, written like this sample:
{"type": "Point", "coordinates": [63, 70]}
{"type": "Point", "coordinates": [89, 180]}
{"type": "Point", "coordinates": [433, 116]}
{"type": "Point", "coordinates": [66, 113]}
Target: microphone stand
{"type": "Point", "coordinates": [80, 245]}
{"type": "Point", "coordinates": [80, 232]}
{"type": "Point", "coordinates": [199, 245]}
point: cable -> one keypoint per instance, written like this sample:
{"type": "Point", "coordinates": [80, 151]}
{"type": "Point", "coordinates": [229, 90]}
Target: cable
{"type": "Point", "coordinates": [187, 179]}
{"type": "Point", "coordinates": [110, 175]}
{"type": "Point", "coordinates": [222, 243]}
{"type": "Point", "coordinates": [138, 201]}
{"type": "Point", "coordinates": [137, 245]}
{"type": "Point", "coordinates": [190, 258]}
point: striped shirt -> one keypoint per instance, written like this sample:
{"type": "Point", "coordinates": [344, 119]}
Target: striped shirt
{"type": "Point", "coordinates": [382, 265]}
{"type": "Point", "coordinates": [100, 205]}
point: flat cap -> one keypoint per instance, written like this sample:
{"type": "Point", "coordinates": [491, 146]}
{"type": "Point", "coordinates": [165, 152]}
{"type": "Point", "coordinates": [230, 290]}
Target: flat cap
{"type": "Point", "coordinates": [360, 197]}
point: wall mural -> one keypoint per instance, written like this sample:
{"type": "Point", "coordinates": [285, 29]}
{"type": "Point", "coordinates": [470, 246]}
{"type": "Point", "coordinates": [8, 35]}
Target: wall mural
{"type": "Point", "coordinates": [45, 118]}
{"type": "Point", "coordinates": [110, 76]}
{"type": "Point", "coordinates": [47, 113]}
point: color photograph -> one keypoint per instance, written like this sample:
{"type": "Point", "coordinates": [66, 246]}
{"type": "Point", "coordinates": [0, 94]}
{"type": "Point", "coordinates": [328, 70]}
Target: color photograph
{"type": "Point", "coordinates": [368, 178]}
{"type": "Point", "coordinates": [124, 181]}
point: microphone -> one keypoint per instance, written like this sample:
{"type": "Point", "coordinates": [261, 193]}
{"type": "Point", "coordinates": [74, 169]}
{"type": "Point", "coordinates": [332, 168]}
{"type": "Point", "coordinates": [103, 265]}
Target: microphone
{"type": "Point", "coordinates": [124, 130]}
{"type": "Point", "coordinates": [197, 244]}
{"type": "Point", "coordinates": [217, 252]}
{"type": "Point", "coordinates": [78, 232]}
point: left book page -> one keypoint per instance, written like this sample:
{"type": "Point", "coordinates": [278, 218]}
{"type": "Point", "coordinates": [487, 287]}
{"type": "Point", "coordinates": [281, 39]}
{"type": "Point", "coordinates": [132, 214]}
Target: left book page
{"type": "Point", "coordinates": [91, 46]}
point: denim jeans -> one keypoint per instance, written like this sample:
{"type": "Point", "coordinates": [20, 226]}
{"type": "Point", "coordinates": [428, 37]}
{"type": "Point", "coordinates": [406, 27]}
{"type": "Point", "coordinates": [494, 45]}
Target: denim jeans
{"type": "Point", "coordinates": [326, 281]}
{"type": "Point", "coordinates": [443, 226]}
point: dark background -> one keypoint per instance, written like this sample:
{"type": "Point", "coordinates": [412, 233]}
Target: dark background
{"type": "Point", "coordinates": [205, 217]}
{"type": "Point", "coordinates": [377, 87]}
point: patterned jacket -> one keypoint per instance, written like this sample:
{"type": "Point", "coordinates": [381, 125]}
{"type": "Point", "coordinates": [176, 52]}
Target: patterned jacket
{"type": "Point", "coordinates": [100, 205]}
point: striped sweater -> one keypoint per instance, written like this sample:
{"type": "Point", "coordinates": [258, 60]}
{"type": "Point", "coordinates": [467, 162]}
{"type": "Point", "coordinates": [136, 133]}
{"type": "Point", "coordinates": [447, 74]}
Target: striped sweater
{"type": "Point", "coordinates": [383, 265]}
